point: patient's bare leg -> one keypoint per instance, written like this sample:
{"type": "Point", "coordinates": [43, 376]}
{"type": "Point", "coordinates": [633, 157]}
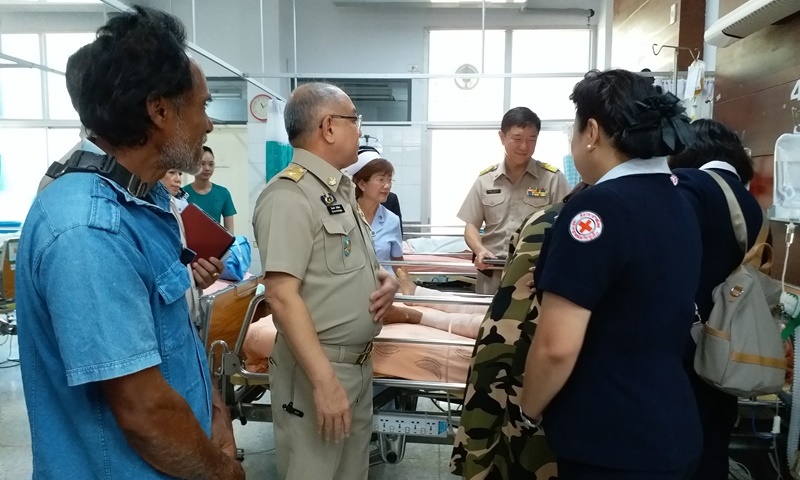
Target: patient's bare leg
{"type": "Point", "coordinates": [401, 314]}
{"type": "Point", "coordinates": [407, 286]}
{"type": "Point", "coordinates": [464, 324]}
{"type": "Point", "coordinates": [448, 307]}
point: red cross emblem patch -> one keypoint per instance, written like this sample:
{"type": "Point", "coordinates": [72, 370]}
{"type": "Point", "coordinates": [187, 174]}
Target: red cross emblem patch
{"type": "Point", "coordinates": [586, 226]}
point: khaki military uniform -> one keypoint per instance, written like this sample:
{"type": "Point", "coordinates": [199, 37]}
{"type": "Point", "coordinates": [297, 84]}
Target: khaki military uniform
{"type": "Point", "coordinates": [502, 205]}
{"type": "Point", "coordinates": [307, 224]}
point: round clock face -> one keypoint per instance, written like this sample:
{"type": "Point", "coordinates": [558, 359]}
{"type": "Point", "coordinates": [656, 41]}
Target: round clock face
{"type": "Point", "coordinates": [258, 107]}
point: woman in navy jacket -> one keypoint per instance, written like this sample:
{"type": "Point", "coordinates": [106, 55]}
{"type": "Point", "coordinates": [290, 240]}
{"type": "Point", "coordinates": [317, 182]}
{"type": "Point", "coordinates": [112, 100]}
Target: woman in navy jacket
{"type": "Point", "coordinates": [617, 277]}
{"type": "Point", "coordinates": [719, 149]}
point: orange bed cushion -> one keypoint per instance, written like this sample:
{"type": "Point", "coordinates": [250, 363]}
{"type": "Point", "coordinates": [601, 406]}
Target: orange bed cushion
{"type": "Point", "coordinates": [433, 363]}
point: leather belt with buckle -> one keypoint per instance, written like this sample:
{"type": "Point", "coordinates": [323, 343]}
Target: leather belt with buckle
{"type": "Point", "coordinates": [365, 354]}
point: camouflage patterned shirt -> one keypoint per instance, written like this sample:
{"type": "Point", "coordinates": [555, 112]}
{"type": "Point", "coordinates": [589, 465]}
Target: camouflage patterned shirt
{"type": "Point", "coordinates": [493, 441]}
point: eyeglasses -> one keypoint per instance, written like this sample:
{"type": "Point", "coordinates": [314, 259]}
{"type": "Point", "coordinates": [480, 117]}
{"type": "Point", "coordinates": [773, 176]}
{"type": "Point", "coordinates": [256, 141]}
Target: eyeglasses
{"type": "Point", "coordinates": [355, 118]}
{"type": "Point", "coordinates": [382, 180]}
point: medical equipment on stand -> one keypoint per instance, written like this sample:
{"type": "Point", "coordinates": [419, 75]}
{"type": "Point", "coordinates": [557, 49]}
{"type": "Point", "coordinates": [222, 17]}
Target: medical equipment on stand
{"type": "Point", "coordinates": [8, 318]}
{"type": "Point", "coordinates": [786, 208]}
{"type": "Point", "coordinates": [8, 260]}
{"type": "Point", "coordinates": [786, 183]}
{"type": "Point", "coordinates": [791, 309]}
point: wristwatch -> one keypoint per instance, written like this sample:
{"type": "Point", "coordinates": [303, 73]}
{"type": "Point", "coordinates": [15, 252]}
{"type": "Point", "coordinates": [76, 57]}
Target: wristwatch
{"type": "Point", "coordinates": [530, 422]}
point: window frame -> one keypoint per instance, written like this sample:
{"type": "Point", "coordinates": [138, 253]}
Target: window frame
{"type": "Point", "coordinates": [407, 82]}
{"type": "Point", "coordinates": [548, 124]}
{"type": "Point", "coordinates": [508, 75]}
{"type": "Point", "coordinates": [44, 79]}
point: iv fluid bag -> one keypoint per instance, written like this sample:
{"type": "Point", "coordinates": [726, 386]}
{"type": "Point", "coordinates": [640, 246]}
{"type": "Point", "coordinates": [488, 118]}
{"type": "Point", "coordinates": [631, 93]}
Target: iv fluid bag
{"type": "Point", "coordinates": [786, 191]}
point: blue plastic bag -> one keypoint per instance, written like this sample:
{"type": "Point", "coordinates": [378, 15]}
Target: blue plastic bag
{"type": "Point", "coordinates": [237, 260]}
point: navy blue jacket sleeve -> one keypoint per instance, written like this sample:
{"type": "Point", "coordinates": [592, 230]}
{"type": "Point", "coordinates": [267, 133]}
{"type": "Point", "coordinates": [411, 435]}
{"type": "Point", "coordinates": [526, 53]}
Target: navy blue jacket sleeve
{"type": "Point", "coordinates": [721, 252]}
{"type": "Point", "coordinates": [587, 249]}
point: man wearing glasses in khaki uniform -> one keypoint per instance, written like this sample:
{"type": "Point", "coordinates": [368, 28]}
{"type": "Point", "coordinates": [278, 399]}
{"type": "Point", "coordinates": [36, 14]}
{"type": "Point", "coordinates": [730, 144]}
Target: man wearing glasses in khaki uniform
{"type": "Point", "coordinates": [505, 194]}
{"type": "Point", "coordinates": [327, 292]}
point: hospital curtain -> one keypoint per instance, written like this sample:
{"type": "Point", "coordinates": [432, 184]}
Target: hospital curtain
{"type": "Point", "coordinates": [279, 152]}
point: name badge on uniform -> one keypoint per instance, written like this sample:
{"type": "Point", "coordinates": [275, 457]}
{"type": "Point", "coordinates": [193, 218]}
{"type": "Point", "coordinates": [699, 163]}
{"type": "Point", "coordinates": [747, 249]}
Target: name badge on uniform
{"type": "Point", "coordinates": [492, 191]}
{"type": "Point", "coordinates": [347, 246]}
{"type": "Point", "coordinates": [334, 209]}
{"type": "Point", "coordinates": [330, 201]}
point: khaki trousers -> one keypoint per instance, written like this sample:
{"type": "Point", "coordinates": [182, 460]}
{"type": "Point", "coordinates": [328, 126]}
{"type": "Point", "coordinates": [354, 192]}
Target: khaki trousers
{"type": "Point", "coordinates": [301, 452]}
{"type": "Point", "coordinates": [488, 285]}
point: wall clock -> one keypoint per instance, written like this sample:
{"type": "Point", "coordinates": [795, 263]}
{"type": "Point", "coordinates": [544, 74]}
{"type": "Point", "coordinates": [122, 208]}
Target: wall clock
{"type": "Point", "coordinates": [258, 107]}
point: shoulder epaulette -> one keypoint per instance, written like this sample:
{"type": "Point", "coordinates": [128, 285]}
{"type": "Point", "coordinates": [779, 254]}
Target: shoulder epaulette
{"type": "Point", "coordinates": [488, 169]}
{"type": "Point", "coordinates": [548, 167]}
{"type": "Point", "coordinates": [293, 172]}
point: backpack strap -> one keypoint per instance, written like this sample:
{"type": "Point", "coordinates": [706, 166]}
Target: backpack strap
{"type": "Point", "coordinates": [755, 255]}
{"type": "Point", "coordinates": [737, 217]}
{"type": "Point", "coordinates": [752, 256]}
{"type": "Point", "coordinates": [762, 234]}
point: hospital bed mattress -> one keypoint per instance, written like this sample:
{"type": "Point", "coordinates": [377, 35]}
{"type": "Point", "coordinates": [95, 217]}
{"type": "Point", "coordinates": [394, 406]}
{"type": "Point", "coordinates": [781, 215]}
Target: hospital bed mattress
{"type": "Point", "coordinates": [410, 361]}
{"type": "Point", "coordinates": [464, 267]}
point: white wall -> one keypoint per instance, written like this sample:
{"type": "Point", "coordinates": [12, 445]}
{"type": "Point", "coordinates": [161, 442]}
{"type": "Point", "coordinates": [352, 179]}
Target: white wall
{"type": "Point", "coordinates": [403, 146]}
{"type": "Point", "coordinates": [371, 39]}
{"type": "Point", "coordinates": [605, 27]}
{"type": "Point", "coordinates": [387, 39]}
{"type": "Point", "coordinates": [229, 143]}
{"type": "Point", "coordinates": [13, 20]}
{"type": "Point", "coordinates": [231, 31]}
{"type": "Point", "coordinates": [330, 39]}
{"type": "Point", "coordinates": [710, 51]}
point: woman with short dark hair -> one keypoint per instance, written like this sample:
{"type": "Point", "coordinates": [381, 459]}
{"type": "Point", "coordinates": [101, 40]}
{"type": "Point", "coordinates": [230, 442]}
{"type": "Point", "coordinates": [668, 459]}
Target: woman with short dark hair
{"type": "Point", "coordinates": [718, 149]}
{"type": "Point", "coordinates": [617, 277]}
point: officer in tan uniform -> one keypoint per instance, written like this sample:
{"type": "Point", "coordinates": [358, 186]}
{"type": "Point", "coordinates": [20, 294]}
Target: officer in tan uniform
{"type": "Point", "coordinates": [327, 292]}
{"type": "Point", "coordinates": [505, 194]}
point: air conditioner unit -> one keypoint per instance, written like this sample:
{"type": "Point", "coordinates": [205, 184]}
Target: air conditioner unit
{"type": "Point", "coordinates": [748, 19]}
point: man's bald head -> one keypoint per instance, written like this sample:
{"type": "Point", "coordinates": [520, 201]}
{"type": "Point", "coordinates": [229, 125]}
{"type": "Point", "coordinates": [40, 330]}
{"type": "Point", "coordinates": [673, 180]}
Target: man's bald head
{"type": "Point", "coordinates": [305, 107]}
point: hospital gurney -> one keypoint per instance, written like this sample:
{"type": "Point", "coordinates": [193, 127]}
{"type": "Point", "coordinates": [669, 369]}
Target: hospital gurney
{"type": "Point", "coordinates": [442, 376]}
{"type": "Point", "coordinates": [427, 248]}
{"type": "Point", "coordinates": [243, 385]}
{"type": "Point", "coordinates": [8, 261]}
{"type": "Point", "coordinates": [443, 271]}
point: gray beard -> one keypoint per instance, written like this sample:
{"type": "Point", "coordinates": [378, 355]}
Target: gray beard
{"type": "Point", "coordinates": [178, 155]}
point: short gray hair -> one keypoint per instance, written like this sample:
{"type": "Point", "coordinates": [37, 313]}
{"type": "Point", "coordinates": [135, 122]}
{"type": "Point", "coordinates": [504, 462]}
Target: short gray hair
{"type": "Point", "coordinates": [304, 105]}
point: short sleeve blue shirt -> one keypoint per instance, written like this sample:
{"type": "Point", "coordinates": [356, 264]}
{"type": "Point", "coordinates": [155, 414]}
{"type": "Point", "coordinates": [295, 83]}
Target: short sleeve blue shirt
{"type": "Point", "coordinates": [100, 295]}
{"type": "Point", "coordinates": [388, 239]}
{"type": "Point", "coordinates": [628, 250]}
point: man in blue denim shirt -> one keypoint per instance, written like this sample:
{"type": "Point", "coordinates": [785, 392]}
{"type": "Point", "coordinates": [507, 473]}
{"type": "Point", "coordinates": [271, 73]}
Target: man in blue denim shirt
{"type": "Point", "coordinates": [115, 377]}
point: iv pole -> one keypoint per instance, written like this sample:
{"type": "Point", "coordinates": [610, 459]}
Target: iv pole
{"type": "Point", "coordinates": [694, 52]}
